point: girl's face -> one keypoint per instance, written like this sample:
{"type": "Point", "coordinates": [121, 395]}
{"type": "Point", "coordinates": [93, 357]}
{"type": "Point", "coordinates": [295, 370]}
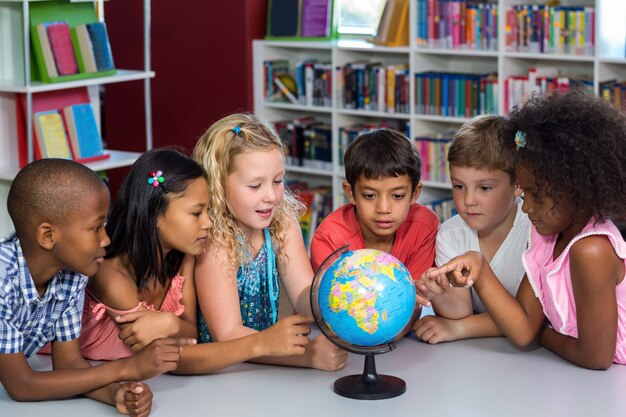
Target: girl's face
{"type": "Point", "coordinates": [255, 188]}
{"type": "Point", "coordinates": [547, 218]}
{"type": "Point", "coordinates": [185, 224]}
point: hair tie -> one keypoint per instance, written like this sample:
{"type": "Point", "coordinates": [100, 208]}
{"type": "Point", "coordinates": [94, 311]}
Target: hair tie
{"type": "Point", "coordinates": [520, 140]}
{"type": "Point", "coordinates": [156, 178]}
{"type": "Point", "coordinates": [237, 130]}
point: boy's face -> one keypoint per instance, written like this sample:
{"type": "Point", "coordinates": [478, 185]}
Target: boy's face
{"type": "Point", "coordinates": [80, 241]}
{"type": "Point", "coordinates": [484, 199]}
{"type": "Point", "coordinates": [381, 205]}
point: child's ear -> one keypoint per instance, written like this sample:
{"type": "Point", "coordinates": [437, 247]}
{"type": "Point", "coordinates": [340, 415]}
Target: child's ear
{"type": "Point", "coordinates": [518, 191]}
{"type": "Point", "coordinates": [416, 192]}
{"type": "Point", "coordinates": [347, 189]}
{"type": "Point", "coordinates": [46, 235]}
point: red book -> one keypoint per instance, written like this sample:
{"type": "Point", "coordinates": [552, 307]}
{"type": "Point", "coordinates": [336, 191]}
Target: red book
{"type": "Point", "coordinates": [62, 48]}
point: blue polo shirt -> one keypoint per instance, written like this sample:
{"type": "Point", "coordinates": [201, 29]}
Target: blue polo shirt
{"type": "Point", "coordinates": [28, 321]}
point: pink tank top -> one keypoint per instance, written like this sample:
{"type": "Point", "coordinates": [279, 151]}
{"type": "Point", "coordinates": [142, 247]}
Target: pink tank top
{"type": "Point", "coordinates": [551, 281]}
{"type": "Point", "coordinates": [99, 338]}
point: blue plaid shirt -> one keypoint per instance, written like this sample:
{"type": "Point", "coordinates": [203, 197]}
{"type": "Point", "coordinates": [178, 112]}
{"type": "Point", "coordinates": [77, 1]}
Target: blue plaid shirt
{"type": "Point", "coordinates": [27, 321]}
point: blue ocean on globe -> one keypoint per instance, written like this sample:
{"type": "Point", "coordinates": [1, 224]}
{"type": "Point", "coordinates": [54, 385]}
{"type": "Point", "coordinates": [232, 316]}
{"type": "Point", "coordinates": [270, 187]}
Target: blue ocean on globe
{"type": "Point", "coordinates": [365, 297]}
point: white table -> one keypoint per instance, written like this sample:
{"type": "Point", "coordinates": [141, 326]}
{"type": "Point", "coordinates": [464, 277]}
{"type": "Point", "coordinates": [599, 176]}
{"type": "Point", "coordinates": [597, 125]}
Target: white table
{"type": "Point", "coordinates": [481, 377]}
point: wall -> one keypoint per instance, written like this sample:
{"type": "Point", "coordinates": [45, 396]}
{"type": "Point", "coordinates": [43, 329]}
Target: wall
{"type": "Point", "coordinates": [202, 56]}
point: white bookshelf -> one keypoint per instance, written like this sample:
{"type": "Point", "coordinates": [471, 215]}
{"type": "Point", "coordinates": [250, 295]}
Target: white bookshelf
{"type": "Point", "coordinates": [15, 77]}
{"type": "Point", "coordinates": [608, 62]}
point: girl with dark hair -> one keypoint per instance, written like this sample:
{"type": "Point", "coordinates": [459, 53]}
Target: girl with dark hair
{"type": "Point", "coordinates": [145, 290]}
{"type": "Point", "coordinates": [570, 152]}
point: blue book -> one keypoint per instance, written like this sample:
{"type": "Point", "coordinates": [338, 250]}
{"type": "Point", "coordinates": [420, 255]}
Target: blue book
{"type": "Point", "coordinates": [101, 46]}
{"type": "Point", "coordinates": [83, 132]}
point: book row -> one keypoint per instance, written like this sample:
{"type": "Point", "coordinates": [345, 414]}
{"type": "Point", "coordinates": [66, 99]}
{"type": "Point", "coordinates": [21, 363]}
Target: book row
{"type": "Point", "coordinates": [319, 204]}
{"type": "Point", "coordinates": [615, 92]}
{"type": "Point", "coordinates": [541, 80]}
{"type": "Point", "coordinates": [457, 24]}
{"type": "Point", "coordinates": [69, 133]}
{"type": "Point", "coordinates": [456, 94]}
{"type": "Point", "coordinates": [550, 29]}
{"type": "Point", "coordinates": [347, 134]}
{"type": "Point", "coordinates": [374, 86]}
{"type": "Point", "coordinates": [434, 152]}
{"type": "Point", "coordinates": [312, 85]}
{"type": "Point", "coordinates": [307, 142]}
{"type": "Point", "coordinates": [64, 51]}
{"type": "Point", "coordinates": [443, 208]}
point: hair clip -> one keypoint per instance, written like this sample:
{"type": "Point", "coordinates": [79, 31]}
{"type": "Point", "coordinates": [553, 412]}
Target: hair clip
{"type": "Point", "coordinates": [237, 130]}
{"type": "Point", "coordinates": [156, 178]}
{"type": "Point", "coordinates": [520, 140]}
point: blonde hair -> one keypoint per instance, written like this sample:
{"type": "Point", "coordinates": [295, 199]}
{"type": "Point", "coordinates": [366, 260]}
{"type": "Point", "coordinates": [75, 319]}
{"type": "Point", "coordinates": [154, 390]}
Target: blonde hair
{"type": "Point", "coordinates": [477, 145]}
{"type": "Point", "coordinates": [216, 151]}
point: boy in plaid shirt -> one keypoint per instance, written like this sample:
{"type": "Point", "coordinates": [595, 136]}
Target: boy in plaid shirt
{"type": "Point", "coordinates": [59, 208]}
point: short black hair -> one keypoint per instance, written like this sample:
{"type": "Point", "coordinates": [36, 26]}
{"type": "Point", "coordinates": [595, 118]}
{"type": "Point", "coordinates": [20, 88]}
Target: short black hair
{"type": "Point", "coordinates": [576, 148]}
{"type": "Point", "coordinates": [49, 190]}
{"type": "Point", "coordinates": [132, 225]}
{"type": "Point", "coordinates": [382, 153]}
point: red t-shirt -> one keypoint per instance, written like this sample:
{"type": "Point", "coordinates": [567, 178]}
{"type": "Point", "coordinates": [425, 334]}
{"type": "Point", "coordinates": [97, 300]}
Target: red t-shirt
{"type": "Point", "coordinates": [414, 244]}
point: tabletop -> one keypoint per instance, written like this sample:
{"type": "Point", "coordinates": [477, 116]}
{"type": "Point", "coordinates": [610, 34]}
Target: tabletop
{"type": "Point", "coordinates": [479, 377]}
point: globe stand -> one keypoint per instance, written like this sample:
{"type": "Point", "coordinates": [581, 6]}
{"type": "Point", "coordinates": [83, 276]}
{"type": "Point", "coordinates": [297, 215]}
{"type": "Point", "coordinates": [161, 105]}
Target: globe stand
{"type": "Point", "coordinates": [370, 385]}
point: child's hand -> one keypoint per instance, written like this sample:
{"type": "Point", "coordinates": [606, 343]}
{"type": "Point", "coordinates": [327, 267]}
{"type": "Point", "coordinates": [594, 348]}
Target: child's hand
{"type": "Point", "coordinates": [133, 399]}
{"type": "Point", "coordinates": [462, 271]}
{"type": "Point", "coordinates": [432, 329]}
{"type": "Point", "coordinates": [288, 336]}
{"type": "Point", "coordinates": [146, 326]}
{"type": "Point", "coordinates": [428, 288]}
{"type": "Point", "coordinates": [160, 356]}
{"type": "Point", "coordinates": [324, 355]}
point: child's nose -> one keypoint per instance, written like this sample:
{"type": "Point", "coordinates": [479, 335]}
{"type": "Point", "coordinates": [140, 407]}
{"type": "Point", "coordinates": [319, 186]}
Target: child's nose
{"type": "Point", "coordinates": [207, 223]}
{"type": "Point", "coordinates": [469, 198]}
{"type": "Point", "coordinates": [106, 241]}
{"type": "Point", "coordinates": [383, 205]}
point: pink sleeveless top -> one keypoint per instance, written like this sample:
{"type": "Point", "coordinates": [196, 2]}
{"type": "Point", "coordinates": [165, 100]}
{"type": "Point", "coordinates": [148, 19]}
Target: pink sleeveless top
{"type": "Point", "coordinates": [551, 281]}
{"type": "Point", "coordinates": [99, 338]}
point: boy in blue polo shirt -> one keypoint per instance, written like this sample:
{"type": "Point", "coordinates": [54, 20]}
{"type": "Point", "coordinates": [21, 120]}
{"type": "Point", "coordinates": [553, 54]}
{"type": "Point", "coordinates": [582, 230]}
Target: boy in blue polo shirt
{"type": "Point", "coordinates": [59, 208]}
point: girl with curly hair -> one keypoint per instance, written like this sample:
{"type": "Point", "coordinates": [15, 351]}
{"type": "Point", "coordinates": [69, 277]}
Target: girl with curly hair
{"type": "Point", "coordinates": [255, 240]}
{"type": "Point", "coordinates": [570, 154]}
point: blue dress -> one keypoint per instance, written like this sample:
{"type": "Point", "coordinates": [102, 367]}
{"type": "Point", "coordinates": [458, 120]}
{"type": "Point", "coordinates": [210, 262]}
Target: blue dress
{"type": "Point", "coordinates": [257, 285]}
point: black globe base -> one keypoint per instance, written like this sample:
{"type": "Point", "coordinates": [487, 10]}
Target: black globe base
{"type": "Point", "coordinates": [369, 385]}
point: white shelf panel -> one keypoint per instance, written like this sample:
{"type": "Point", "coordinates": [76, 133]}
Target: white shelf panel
{"type": "Point", "coordinates": [549, 57]}
{"type": "Point", "coordinates": [369, 113]}
{"type": "Point", "coordinates": [299, 107]}
{"type": "Point", "coordinates": [118, 159]}
{"type": "Point", "coordinates": [310, 171]}
{"type": "Point", "coordinates": [39, 87]}
{"type": "Point", "coordinates": [446, 119]}
{"type": "Point", "coordinates": [456, 52]}
{"type": "Point", "coordinates": [362, 45]}
{"type": "Point", "coordinates": [620, 61]}
{"type": "Point", "coordinates": [436, 184]}
{"type": "Point", "coordinates": [300, 44]}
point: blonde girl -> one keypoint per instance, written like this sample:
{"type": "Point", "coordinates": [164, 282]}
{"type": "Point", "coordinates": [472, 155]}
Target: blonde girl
{"type": "Point", "coordinates": [256, 240]}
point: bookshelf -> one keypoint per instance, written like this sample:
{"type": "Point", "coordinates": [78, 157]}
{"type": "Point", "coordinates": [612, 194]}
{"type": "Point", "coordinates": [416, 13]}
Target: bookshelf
{"type": "Point", "coordinates": [16, 67]}
{"type": "Point", "coordinates": [607, 62]}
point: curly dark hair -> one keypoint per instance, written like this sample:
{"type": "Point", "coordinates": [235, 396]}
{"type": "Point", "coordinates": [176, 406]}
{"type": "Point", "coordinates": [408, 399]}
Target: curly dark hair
{"type": "Point", "coordinates": [576, 149]}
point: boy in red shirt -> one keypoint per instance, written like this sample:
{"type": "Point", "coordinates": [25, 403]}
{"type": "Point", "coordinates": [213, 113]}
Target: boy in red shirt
{"type": "Point", "coordinates": [382, 185]}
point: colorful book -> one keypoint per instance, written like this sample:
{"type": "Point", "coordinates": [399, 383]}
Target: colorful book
{"type": "Point", "coordinates": [101, 46]}
{"type": "Point", "coordinates": [84, 49]}
{"type": "Point", "coordinates": [50, 135]}
{"type": "Point", "coordinates": [46, 51]}
{"type": "Point", "coordinates": [84, 138]}
{"type": "Point", "coordinates": [62, 47]}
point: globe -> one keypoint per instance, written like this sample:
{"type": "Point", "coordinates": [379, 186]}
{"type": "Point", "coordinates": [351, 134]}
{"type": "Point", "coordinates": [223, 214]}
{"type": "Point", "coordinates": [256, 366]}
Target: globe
{"type": "Point", "coordinates": [362, 300]}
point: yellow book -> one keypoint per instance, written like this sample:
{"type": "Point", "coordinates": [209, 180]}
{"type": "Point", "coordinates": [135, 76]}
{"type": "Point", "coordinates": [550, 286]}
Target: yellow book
{"type": "Point", "coordinates": [50, 134]}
